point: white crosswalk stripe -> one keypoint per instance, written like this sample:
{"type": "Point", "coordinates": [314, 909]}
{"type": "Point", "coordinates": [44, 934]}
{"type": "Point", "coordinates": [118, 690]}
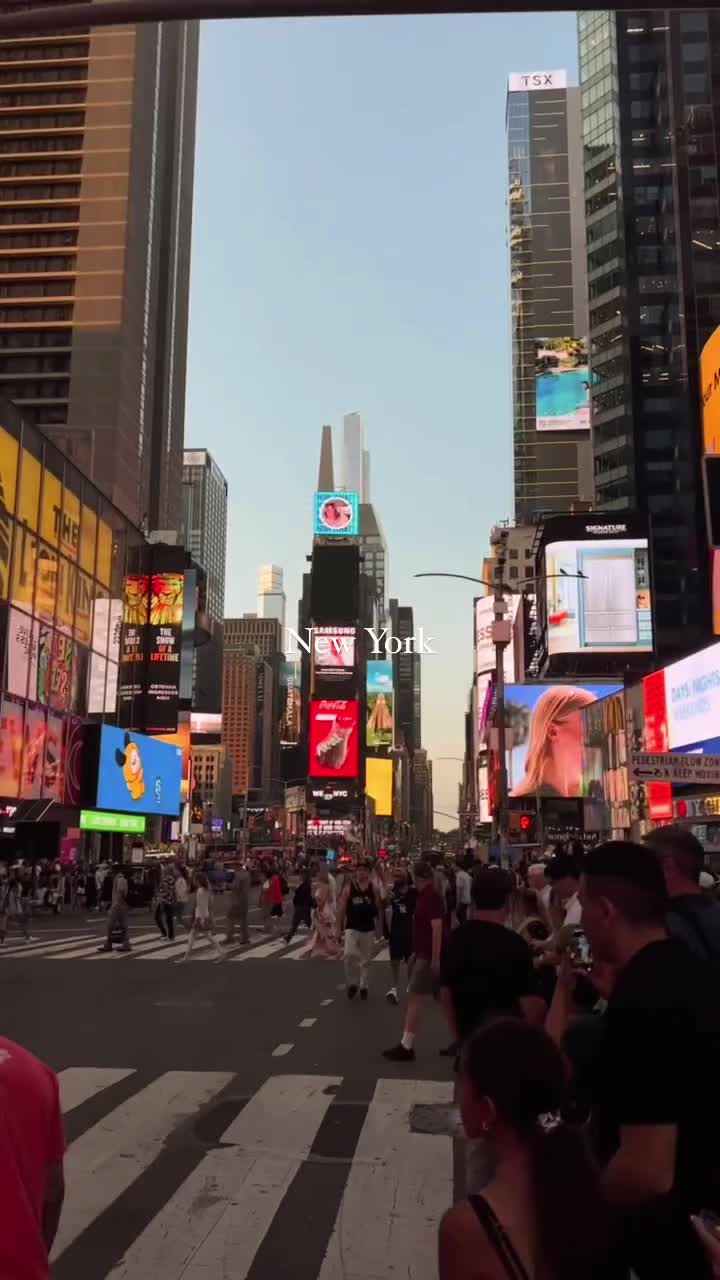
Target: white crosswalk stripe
{"type": "Point", "coordinates": [216, 1218]}
{"type": "Point", "coordinates": [152, 946]}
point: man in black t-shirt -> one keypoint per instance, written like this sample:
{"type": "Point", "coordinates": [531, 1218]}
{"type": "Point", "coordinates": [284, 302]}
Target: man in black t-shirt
{"type": "Point", "coordinates": [693, 916]}
{"type": "Point", "coordinates": [487, 968]}
{"type": "Point", "coordinates": [657, 1064]}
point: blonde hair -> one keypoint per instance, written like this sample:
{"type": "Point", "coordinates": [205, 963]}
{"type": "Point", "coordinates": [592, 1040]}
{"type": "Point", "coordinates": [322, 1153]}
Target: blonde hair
{"type": "Point", "coordinates": [554, 707]}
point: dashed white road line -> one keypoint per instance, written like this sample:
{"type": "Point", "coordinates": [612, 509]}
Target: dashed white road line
{"type": "Point", "coordinates": [308, 1022]}
{"type": "Point", "coordinates": [325, 1002]}
{"type": "Point", "coordinates": [282, 1050]}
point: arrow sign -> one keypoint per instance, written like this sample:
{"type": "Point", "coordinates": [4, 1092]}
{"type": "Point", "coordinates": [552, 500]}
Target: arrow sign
{"type": "Point", "coordinates": [671, 766]}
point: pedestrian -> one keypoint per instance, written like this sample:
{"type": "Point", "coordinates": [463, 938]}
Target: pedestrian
{"type": "Point", "coordinates": [486, 968]}
{"type": "Point", "coordinates": [182, 898]}
{"type": "Point", "coordinates": [107, 890]}
{"type": "Point", "coordinates": [91, 894]}
{"type": "Point", "coordinates": [302, 905]}
{"type": "Point", "coordinates": [32, 1146]}
{"type": "Point", "coordinates": [359, 917]}
{"type": "Point", "coordinates": [202, 925]}
{"type": "Point", "coordinates": [100, 873]}
{"type": "Point", "coordinates": [693, 915]}
{"type": "Point", "coordinates": [275, 899]}
{"type": "Point", "coordinates": [167, 900]}
{"type": "Point", "coordinates": [541, 1214]}
{"type": "Point", "coordinates": [399, 924]}
{"type": "Point", "coordinates": [463, 892]}
{"type": "Point", "coordinates": [425, 966]}
{"type": "Point", "coordinates": [12, 907]}
{"type": "Point", "coordinates": [323, 943]}
{"type": "Point", "coordinates": [239, 906]}
{"type": "Point", "coordinates": [657, 1062]}
{"type": "Point", "coordinates": [118, 911]}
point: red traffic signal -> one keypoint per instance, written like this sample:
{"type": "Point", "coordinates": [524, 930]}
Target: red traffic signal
{"type": "Point", "coordinates": [383, 853]}
{"type": "Point", "coordinates": [525, 822]}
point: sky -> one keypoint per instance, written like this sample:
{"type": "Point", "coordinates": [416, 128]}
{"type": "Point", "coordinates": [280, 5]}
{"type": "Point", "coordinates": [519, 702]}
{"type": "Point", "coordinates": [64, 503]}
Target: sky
{"type": "Point", "coordinates": [349, 254]}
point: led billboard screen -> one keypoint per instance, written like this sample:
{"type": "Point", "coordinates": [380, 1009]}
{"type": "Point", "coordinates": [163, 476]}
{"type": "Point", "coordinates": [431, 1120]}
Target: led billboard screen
{"type": "Point", "coordinates": [484, 647]}
{"type": "Point", "coordinates": [337, 515]}
{"type": "Point", "coordinates": [379, 728]}
{"type": "Point", "coordinates": [164, 650]}
{"type": "Point", "coordinates": [137, 774]}
{"type": "Point", "coordinates": [562, 385]}
{"type": "Point", "coordinates": [546, 723]}
{"type": "Point", "coordinates": [334, 744]}
{"type": "Point", "coordinates": [710, 383]}
{"type": "Point", "coordinates": [687, 702]}
{"type": "Point", "coordinates": [333, 652]}
{"type": "Point", "coordinates": [379, 784]}
{"type": "Point", "coordinates": [598, 596]}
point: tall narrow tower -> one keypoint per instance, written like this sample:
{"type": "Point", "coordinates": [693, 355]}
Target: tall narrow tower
{"type": "Point", "coordinates": [326, 475]}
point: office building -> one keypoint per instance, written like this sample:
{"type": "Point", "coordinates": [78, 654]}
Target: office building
{"type": "Point", "coordinates": [548, 289]}
{"type": "Point", "coordinates": [97, 133]}
{"type": "Point", "coordinates": [262, 636]}
{"type": "Point", "coordinates": [355, 458]}
{"type": "Point", "coordinates": [406, 680]}
{"type": "Point", "coordinates": [512, 556]}
{"type": "Point", "coordinates": [253, 700]}
{"type": "Point", "coordinates": [204, 534]}
{"type": "Point", "coordinates": [651, 138]}
{"type": "Point", "coordinates": [326, 472]}
{"type": "Point", "coordinates": [271, 595]}
{"type": "Point", "coordinates": [423, 810]}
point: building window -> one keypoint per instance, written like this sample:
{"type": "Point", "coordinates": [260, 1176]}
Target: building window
{"type": "Point", "coordinates": [514, 573]}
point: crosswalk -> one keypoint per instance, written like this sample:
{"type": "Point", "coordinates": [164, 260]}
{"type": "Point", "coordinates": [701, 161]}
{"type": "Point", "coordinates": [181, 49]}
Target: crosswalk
{"type": "Point", "coordinates": [228, 1201]}
{"type": "Point", "coordinates": [152, 946]}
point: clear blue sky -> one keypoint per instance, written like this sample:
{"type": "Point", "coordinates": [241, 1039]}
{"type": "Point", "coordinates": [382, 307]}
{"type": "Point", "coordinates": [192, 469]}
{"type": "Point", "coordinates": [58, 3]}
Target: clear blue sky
{"type": "Point", "coordinates": [350, 254]}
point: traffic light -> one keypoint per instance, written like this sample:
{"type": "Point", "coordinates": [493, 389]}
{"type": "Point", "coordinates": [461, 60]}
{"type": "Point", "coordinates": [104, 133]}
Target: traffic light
{"type": "Point", "coordinates": [523, 827]}
{"type": "Point", "coordinates": [382, 854]}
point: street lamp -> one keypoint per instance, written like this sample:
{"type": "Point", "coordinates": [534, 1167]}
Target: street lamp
{"type": "Point", "coordinates": [501, 637]}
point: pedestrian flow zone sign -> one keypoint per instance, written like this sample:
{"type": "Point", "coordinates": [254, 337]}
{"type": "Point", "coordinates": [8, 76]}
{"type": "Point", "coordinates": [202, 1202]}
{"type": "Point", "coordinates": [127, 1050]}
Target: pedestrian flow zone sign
{"type": "Point", "coordinates": [670, 766]}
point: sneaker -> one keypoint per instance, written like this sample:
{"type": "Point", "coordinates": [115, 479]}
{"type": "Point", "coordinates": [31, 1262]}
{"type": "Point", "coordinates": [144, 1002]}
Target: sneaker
{"type": "Point", "coordinates": [105, 948]}
{"type": "Point", "coordinates": [399, 1054]}
{"type": "Point", "coordinates": [392, 996]}
{"type": "Point", "coordinates": [363, 993]}
{"type": "Point", "coordinates": [352, 992]}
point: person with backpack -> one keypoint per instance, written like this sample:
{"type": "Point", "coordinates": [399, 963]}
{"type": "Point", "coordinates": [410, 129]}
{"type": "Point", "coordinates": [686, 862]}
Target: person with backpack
{"type": "Point", "coordinates": [693, 916]}
{"type": "Point", "coordinates": [303, 904]}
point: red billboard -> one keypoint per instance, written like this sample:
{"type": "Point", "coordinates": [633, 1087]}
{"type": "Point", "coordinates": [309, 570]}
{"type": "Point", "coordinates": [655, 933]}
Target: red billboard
{"type": "Point", "coordinates": [659, 794]}
{"type": "Point", "coordinates": [334, 738]}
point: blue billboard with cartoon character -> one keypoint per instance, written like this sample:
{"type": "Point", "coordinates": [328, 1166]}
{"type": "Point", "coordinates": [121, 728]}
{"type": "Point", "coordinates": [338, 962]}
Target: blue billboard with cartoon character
{"type": "Point", "coordinates": [138, 774]}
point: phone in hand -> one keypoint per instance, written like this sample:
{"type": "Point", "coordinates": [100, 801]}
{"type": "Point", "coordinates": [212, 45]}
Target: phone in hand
{"type": "Point", "coordinates": [580, 951]}
{"type": "Point", "coordinates": [710, 1221]}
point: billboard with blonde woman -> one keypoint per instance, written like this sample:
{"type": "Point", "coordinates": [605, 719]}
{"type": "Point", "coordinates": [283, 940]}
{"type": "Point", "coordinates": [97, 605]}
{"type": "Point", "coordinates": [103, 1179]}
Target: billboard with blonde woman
{"type": "Point", "coordinates": [546, 724]}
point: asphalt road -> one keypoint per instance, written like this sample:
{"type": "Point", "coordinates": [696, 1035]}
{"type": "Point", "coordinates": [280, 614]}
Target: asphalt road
{"type": "Point", "coordinates": [235, 1119]}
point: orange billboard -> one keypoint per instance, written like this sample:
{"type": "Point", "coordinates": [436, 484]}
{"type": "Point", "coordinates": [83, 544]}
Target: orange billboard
{"type": "Point", "coordinates": [710, 383]}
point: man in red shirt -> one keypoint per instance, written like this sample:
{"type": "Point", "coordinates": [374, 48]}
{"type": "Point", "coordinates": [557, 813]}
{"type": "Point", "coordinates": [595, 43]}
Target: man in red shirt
{"type": "Point", "coordinates": [32, 1146]}
{"type": "Point", "coordinates": [425, 971]}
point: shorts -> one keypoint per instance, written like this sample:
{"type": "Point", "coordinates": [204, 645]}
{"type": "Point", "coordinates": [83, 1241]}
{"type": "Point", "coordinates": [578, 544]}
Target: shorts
{"type": "Point", "coordinates": [400, 951]}
{"type": "Point", "coordinates": [276, 910]}
{"type": "Point", "coordinates": [422, 980]}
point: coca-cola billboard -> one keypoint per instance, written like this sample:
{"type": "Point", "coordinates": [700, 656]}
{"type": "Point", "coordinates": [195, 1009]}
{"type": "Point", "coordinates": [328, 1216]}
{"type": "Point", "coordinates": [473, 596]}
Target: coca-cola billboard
{"type": "Point", "coordinates": [334, 738]}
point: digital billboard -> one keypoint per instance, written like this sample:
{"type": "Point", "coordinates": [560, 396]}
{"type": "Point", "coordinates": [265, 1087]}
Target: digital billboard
{"type": "Point", "coordinates": [124, 823]}
{"type": "Point", "coordinates": [164, 648]}
{"type": "Point", "coordinates": [103, 676]}
{"type": "Point", "coordinates": [598, 596]}
{"type": "Point", "coordinates": [686, 698]}
{"type": "Point", "coordinates": [337, 515]}
{"type": "Point", "coordinates": [605, 774]}
{"type": "Point", "coordinates": [334, 747]}
{"type": "Point", "coordinates": [291, 723]}
{"type": "Point", "coordinates": [137, 774]}
{"type": "Point", "coordinates": [333, 652]}
{"type": "Point", "coordinates": [379, 727]}
{"type": "Point", "coordinates": [135, 612]}
{"type": "Point", "coordinates": [379, 784]}
{"type": "Point", "coordinates": [562, 385]}
{"type": "Point", "coordinates": [710, 384]}
{"type": "Point", "coordinates": [205, 722]}
{"type": "Point", "coordinates": [546, 723]}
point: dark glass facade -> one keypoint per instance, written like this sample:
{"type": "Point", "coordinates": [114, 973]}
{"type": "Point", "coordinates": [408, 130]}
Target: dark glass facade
{"type": "Point", "coordinates": [650, 86]}
{"type": "Point", "coordinates": [552, 468]}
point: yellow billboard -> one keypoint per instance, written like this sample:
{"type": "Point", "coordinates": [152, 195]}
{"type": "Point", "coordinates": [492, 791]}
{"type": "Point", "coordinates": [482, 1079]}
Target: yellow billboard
{"type": "Point", "coordinates": [55, 542]}
{"type": "Point", "coordinates": [710, 384]}
{"type": "Point", "coordinates": [379, 784]}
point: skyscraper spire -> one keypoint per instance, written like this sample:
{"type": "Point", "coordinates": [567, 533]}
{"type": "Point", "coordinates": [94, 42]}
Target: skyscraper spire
{"type": "Point", "coordinates": [326, 478]}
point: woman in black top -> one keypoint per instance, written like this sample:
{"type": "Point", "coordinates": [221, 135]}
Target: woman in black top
{"type": "Point", "coordinates": [541, 1217]}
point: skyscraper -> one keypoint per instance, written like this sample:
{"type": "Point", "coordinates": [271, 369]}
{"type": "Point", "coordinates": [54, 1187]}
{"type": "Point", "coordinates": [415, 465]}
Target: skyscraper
{"type": "Point", "coordinates": [204, 532]}
{"type": "Point", "coordinates": [271, 595]}
{"type": "Point", "coordinates": [548, 287]}
{"type": "Point", "coordinates": [651, 137]}
{"type": "Point", "coordinates": [97, 133]}
{"type": "Point", "coordinates": [252, 701]}
{"type": "Point", "coordinates": [355, 460]}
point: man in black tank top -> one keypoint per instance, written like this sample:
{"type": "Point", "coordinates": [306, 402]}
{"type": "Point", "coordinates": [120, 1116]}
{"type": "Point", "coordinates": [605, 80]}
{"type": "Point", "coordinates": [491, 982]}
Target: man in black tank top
{"type": "Point", "coordinates": [359, 917]}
